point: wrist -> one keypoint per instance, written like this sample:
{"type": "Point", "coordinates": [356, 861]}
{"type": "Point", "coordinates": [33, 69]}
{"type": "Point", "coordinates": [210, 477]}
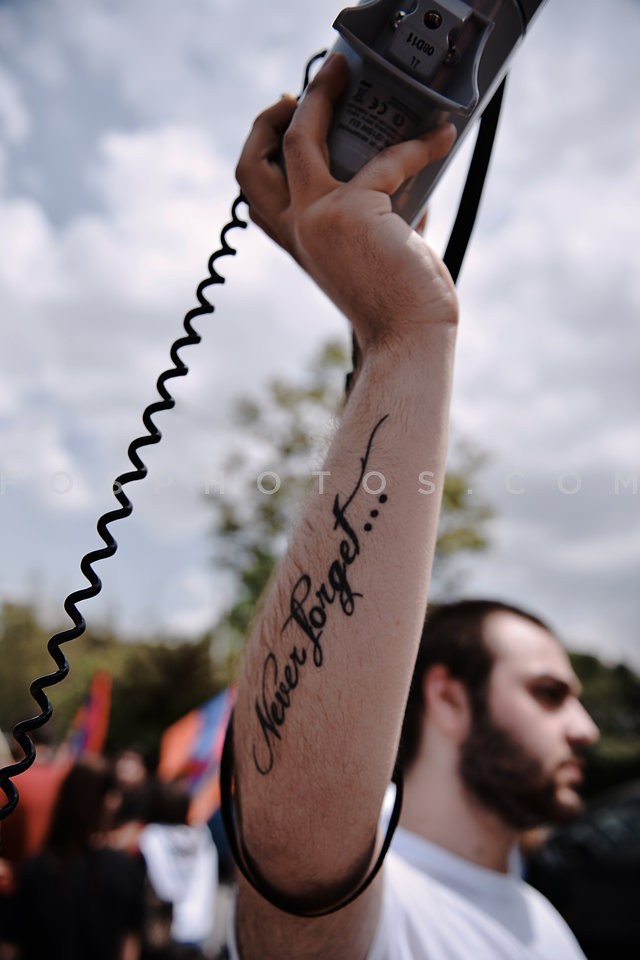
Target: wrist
{"type": "Point", "coordinates": [403, 320]}
{"type": "Point", "coordinates": [406, 357]}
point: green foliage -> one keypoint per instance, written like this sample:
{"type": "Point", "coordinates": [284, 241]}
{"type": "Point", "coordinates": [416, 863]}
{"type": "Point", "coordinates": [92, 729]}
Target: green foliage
{"type": "Point", "coordinates": [156, 685]}
{"type": "Point", "coordinates": [24, 656]}
{"type": "Point", "coordinates": [611, 694]}
{"type": "Point", "coordinates": [278, 437]}
{"type": "Point", "coordinates": [279, 433]}
{"type": "Point", "coordinates": [464, 518]}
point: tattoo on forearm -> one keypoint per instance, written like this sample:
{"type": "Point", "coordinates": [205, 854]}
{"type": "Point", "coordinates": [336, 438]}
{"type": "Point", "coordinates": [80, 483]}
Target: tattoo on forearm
{"type": "Point", "coordinates": [308, 603]}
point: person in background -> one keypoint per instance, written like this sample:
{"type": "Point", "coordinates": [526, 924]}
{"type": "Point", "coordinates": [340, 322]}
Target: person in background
{"type": "Point", "coordinates": [182, 866]}
{"type": "Point", "coordinates": [78, 899]}
{"type": "Point", "coordinates": [133, 781]}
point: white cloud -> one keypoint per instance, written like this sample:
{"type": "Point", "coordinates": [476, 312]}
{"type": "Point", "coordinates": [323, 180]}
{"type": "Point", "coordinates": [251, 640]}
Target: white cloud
{"type": "Point", "coordinates": [29, 269]}
{"type": "Point", "coordinates": [156, 188]}
{"type": "Point", "coordinates": [14, 117]}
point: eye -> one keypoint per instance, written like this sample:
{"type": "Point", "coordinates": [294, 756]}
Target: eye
{"type": "Point", "coordinates": [551, 695]}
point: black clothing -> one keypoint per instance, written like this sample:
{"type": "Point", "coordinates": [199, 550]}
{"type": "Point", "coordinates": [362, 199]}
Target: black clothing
{"type": "Point", "coordinates": [78, 909]}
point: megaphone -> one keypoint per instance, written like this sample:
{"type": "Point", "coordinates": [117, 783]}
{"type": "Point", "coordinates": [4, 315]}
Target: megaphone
{"type": "Point", "coordinates": [414, 64]}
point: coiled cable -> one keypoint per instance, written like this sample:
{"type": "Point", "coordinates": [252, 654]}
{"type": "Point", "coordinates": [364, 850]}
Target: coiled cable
{"type": "Point", "coordinates": [38, 687]}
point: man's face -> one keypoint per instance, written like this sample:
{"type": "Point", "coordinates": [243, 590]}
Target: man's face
{"type": "Point", "coordinates": [522, 758]}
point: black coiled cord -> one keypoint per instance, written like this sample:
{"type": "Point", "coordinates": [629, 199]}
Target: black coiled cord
{"type": "Point", "coordinates": [37, 689]}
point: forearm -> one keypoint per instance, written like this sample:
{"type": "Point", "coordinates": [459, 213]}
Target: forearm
{"type": "Point", "coordinates": [328, 667]}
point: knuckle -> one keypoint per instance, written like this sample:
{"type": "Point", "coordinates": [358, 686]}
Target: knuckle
{"type": "Point", "coordinates": [296, 159]}
{"type": "Point", "coordinates": [292, 140]}
{"type": "Point", "coordinates": [264, 117]}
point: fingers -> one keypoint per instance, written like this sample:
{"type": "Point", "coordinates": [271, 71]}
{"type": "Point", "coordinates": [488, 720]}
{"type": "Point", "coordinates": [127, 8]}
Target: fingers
{"type": "Point", "coordinates": [388, 170]}
{"type": "Point", "coordinates": [258, 172]}
{"type": "Point", "coordinates": [304, 143]}
{"type": "Point", "coordinates": [305, 148]}
{"type": "Point", "coordinates": [301, 130]}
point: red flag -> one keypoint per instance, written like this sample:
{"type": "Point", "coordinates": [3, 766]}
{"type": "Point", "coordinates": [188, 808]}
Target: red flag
{"type": "Point", "coordinates": [91, 722]}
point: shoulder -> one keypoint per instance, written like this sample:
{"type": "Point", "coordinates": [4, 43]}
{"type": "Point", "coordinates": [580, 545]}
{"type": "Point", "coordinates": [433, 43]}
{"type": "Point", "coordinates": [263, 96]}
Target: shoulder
{"type": "Point", "coordinates": [418, 917]}
{"type": "Point", "coordinates": [457, 910]}
{"type": "Point", "coordinates": [549, 926]}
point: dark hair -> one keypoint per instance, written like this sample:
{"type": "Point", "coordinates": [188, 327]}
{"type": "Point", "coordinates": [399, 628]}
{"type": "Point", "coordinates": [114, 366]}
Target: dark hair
{"type": "Point", "coordinates": [167, 802]}
{"type": "Point", "coordinates": [453, 635]}
{"type": "Point", "coordinates": [79, 810]}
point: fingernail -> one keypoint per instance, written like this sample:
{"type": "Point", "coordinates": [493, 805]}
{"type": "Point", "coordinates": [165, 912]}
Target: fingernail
{"type": "Point", "coordinates": [449, 130]}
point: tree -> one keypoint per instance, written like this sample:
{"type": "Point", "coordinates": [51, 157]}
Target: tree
{"type": "Point", "coordinates": [154, 682]}
{"type": "Point", "coordinates": [611, 694]}
{"type": "Point", "coordinates": [277, 462]}
{"type": "Point", "coordinates": [156, 685]}
{"type": "Point", "coordinates": [23, 654]}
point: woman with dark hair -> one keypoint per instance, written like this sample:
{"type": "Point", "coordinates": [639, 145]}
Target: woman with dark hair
{"type": "Point", "coordinates": [78, 899]}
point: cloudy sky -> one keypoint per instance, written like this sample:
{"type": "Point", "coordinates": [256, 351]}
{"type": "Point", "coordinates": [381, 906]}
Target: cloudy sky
{"type": "Point", "coordinates": [120, 123]}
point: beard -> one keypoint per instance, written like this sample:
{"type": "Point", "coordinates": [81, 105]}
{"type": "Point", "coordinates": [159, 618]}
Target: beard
{"type": "Point", "coordinates": [510, 782]}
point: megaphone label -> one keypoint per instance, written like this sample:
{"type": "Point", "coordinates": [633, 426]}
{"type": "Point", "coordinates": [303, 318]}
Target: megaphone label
{"type": "Point", "coordinates": [372, 119]}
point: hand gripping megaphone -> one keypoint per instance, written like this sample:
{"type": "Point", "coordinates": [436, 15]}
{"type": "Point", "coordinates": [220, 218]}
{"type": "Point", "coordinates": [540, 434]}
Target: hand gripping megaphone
{"type": "Point", "coordinates": [414, 64]}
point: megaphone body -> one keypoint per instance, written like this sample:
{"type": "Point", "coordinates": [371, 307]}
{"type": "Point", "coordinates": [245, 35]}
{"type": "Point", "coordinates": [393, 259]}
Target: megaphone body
{"type": "Point", "coordinates": [414, 64]}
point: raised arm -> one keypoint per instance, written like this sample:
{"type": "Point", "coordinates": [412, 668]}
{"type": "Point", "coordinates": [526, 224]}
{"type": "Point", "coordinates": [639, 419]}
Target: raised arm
{"type": "Point", "coordinates": [329, 662]}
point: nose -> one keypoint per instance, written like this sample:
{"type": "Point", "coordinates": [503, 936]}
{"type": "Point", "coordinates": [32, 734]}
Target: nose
{"type": "Point", "coordinates": [583, 731]}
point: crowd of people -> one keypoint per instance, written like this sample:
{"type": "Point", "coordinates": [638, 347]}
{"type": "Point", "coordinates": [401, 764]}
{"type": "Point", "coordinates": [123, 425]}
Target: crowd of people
{"type": "Point", "coordinates": [103, 863]}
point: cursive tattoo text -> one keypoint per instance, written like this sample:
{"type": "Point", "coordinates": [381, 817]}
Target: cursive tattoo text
{"type": "Point", "coordinates": [308, 607]}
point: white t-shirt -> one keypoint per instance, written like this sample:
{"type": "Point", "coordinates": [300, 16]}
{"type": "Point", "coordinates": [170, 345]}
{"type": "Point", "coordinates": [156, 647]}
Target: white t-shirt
{"type": "Point", "coordinates": [438, 906]}
{"type": "Point", "coordinates": [182, 865]}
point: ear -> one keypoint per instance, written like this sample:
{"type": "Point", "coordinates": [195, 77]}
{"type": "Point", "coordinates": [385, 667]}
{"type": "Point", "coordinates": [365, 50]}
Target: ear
{"type": "Point", "coordinates": [447, 703]}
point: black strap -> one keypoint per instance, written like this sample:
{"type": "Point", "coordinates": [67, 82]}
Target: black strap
{"type": "Point", "coordinates": [472, 193]}
{"type": "Point", "coordinates": [247, 867]}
